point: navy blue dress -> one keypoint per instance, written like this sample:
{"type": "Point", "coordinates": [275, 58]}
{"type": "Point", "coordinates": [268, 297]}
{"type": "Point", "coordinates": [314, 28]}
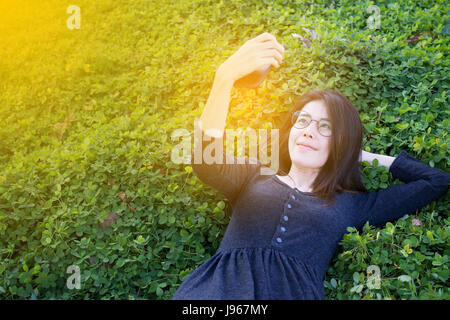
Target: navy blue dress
{"type": "Point", "coordinates": [279, 241]}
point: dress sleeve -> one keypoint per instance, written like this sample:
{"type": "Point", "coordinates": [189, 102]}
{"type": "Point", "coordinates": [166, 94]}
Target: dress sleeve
{"type": "Point", "coordinates": [231, 175]}
{"type": "Point", "coordinates": [422, 185]}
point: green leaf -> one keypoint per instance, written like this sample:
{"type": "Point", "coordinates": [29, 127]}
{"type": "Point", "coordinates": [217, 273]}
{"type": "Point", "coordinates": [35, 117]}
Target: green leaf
{"type": "Point", "coordinates": [390, 228]}
{"type": "Point", "coordinates": [184, 233]}
{"type": "Point", "coordinates": [221, 205]}
{"type": "Point", "coordinates": [140, 239]}
{"type": "Point", "coordinates": [356, 277]}
{"type": "Point", "coordinates": [438, 260]}
{"type": "Point", "coordinates": [333, 282]}
{"type": "Point", "coordinates": [402, 126]}
{"type": "Point", "coordinates": [404, 278]}
{"type": "Point", "coordinates": [358, 288]}
{"type": "Point", "coordinates": [162, 219]}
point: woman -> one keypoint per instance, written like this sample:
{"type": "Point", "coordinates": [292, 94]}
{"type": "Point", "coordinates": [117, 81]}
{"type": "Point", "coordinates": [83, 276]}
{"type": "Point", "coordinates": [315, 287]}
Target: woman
{"type": "Point", "coordinates": [285, 229]}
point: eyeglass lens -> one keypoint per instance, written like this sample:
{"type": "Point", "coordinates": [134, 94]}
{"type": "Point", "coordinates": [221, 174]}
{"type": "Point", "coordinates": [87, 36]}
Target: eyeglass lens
{"type": "Point", "coordinates": [302, 120]}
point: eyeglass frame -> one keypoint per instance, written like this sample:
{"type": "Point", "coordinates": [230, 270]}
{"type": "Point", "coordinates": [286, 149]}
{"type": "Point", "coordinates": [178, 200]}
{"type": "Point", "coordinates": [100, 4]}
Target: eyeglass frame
{"type": "Point", "coordinates": [298, 113]}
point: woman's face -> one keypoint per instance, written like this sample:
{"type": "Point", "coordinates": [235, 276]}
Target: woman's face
{"type": "Point", "coordinates": [304, 157]}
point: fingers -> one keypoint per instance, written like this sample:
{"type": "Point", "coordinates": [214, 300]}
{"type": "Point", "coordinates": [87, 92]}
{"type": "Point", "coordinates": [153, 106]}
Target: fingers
{"type": "Point", "coordinates": [272, 45]}
{"type": "Point", "coordinates": [271, 50]}
{"type": "Point", "coordinates": [272, 53]}
{"type": "Point", "coordinates": [265, 37]}
{"type": "Point", "coordinates": [272, 61]}
{"type": "Point", "coordinates": [269, 42]}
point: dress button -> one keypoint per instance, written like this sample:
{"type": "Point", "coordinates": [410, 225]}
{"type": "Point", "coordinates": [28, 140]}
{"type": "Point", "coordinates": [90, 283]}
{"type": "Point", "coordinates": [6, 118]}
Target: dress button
{"type": "Point", "coordinates": [283, 229]}
{"type": "Point", "coordinates": [279, 240]}
{"type": "Point", "coordinates": [285, 218]}
{"type": "Point", "coordinates": [289, 206]}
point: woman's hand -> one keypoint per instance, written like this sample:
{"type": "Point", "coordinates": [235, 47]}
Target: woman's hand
{"type": "Point", "coordinates": [254, 54]}
{"type": "Point", "coordinates": [383, 160]}
{"type": "Point", "coordinates": [362, 156]}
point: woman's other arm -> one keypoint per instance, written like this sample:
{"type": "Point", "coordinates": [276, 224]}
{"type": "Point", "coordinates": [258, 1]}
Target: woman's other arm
{"type": "Point", "coordinates": [422, 185]}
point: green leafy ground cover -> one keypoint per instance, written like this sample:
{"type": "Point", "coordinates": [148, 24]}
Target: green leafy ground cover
{"type": "Point", "coordinates": [87, 117]}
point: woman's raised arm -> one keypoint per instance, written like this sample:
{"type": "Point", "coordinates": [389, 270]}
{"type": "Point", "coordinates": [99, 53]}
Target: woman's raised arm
{"type": "Point", "coordinates": [230, 176]}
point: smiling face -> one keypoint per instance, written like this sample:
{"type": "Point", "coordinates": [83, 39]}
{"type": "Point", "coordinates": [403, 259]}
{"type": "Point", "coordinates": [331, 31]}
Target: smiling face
{"type": "Point", "coordinates": [303, 157]}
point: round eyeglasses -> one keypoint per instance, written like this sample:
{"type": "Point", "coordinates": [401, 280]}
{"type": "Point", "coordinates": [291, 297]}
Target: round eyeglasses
{"type": "Point", "coordinates": [301, 120]}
